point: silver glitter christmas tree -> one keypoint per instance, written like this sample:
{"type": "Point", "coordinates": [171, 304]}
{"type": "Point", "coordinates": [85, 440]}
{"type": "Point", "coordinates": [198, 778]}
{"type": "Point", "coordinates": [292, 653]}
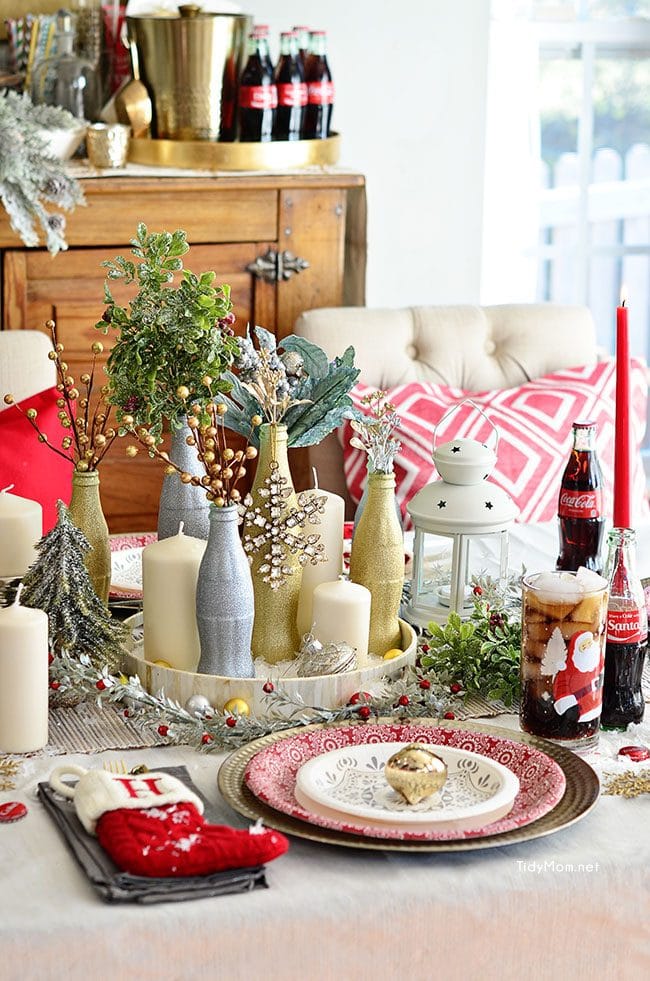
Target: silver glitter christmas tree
{"type": "Point", "coordinates": [58, 583]}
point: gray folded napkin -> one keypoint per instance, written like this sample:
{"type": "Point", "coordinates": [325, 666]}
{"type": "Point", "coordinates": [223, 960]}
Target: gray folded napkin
{"type": "Point", "coordinates": [121, 887]}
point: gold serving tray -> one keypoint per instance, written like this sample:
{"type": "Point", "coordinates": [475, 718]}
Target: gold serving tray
{"type": "Point", "coordinates": [205, 155]}
{"type": "Point", "coordinates": [580, 796]}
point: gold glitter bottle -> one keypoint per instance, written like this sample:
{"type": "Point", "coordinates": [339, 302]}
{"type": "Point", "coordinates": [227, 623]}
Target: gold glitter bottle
{"type": "Point", "coordinates": [276, 570]}
{"type": "Point", "coordinates": [86, 512]}
{"type": "Point", "coordinates": [377, 562]}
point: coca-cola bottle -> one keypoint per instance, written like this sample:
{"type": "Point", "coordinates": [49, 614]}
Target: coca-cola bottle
{"type": "Point", "coordinates": [580, 506]}
{"type": "Point", "coordinates": [303, 34]}
{"type": "Point", "coordinates": [292, 90]}
{"type": "Point", "coordinates": [262, 31]}
{"type": "Point", "coordinates": [627, 634]}
{"type": "Point", "coordinates": [320, 90]}
{"type": "Point", "coordinates": [258, 96]}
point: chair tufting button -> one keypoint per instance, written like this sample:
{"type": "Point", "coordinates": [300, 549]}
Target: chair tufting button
{"type": "Point", "coordinates": [411, 351]}
{"type": "Point", "coordinates": [490, 347]}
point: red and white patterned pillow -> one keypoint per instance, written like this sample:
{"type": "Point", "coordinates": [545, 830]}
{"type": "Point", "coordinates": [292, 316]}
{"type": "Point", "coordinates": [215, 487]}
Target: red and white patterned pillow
{"type": "Point", "coordinates": [534, 424]}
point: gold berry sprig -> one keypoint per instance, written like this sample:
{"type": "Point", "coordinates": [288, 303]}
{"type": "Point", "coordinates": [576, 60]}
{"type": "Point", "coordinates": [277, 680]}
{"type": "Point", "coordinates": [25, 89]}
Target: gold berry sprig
{"type": "Point", "coordinates": [224, 467]}
{"type": "Point", "coordinates": [87, 420]}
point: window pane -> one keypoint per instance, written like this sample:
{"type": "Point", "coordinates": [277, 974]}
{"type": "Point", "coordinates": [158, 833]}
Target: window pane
{"type": "Point", "coordinates": [563, 274]}
{"type": "Point", "coordinates": [560, 90]}
{"type": "Point", "coordinates": [571, 10]}
{"type": "Point", "coordinates": [602, 9]}
{"type": "Point", "coordinates": [554, 10]}
{"type": "Point", "coordinates": [621, 106]}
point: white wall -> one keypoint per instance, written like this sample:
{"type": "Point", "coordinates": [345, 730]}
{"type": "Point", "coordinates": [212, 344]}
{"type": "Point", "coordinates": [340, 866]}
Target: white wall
{"type": "Point", "coordinates": [410, 82]}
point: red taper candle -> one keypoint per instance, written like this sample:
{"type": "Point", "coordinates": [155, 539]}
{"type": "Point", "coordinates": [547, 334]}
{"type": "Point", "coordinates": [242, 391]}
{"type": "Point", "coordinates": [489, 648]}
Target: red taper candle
{"type": "Point", "coordinates": [622, 447]}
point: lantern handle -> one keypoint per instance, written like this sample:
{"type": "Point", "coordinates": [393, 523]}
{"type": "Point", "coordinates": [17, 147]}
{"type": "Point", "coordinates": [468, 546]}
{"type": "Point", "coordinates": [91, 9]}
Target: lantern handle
{"type": "Point", "coordinates": [450, 411]}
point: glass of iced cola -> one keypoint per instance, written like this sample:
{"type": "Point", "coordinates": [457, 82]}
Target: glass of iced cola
{"type": "Point", "coordinates": [564, 617]}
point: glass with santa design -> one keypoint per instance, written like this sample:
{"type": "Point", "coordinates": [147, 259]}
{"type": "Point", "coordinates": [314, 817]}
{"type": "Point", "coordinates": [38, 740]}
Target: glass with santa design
{"type": "Point", "coordinates": [564, 617]}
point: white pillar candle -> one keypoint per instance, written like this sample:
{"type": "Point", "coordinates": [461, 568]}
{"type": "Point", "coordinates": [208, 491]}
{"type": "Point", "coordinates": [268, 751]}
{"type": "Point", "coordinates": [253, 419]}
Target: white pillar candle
{"type": "Point", "coordinates": [342, 613]}
{"type": "Point", "coordinates": [330, 530]}
{"type": "Point", "coordinates": [170, 570]}
{"type": "Point", "coordinates": [23, 679]}
{"type": "Point", "coordinates": [21, 527]}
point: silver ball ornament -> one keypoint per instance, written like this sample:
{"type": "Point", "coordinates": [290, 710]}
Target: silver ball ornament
{"type": "Point", "coordinates": [198, 706]}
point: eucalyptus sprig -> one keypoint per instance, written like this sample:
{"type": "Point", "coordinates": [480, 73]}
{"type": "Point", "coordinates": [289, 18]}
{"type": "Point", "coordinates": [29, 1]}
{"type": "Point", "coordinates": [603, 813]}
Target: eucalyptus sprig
{"type": "Point", "coordinates": [482, 654]}
{"type": "Point", "coordinates": [292, 382]}
{"type": "Point", "coordinates": [173, 342]}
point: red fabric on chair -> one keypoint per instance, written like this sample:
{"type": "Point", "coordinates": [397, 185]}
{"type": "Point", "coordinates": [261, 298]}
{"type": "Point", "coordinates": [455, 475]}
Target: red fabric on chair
{"type": "Point", "coordinates": [35, 470]}
{"type": "Point", "coordinates": [534, 424]}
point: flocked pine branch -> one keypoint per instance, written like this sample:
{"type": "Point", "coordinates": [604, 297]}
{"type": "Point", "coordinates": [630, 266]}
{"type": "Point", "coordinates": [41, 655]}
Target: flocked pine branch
{"type": "Point", "coordinates": [30, 178]}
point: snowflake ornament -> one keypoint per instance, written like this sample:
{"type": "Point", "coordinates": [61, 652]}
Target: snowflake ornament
{"type": "Point", "coordinates": [277, 531]}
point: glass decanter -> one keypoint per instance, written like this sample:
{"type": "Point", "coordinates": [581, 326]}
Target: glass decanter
{"type": "Point", "coordinates": [65, 79]}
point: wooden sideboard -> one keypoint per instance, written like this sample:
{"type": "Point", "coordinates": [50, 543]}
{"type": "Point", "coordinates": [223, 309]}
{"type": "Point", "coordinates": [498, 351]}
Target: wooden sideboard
{"type": "Point", "coordinates": [252, 230]}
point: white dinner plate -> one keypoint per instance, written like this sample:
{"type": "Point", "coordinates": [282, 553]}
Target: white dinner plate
{"type": "Point", "coordinates": [351, 782]}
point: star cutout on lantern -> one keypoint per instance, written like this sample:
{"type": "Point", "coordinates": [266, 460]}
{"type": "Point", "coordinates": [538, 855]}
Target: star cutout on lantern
{"type": "Point", "coordinates": [455, 449]}
{"type": "Point", "coordinates": [489, 505]}
{"type": "Point", "coordinates": [442, 504]}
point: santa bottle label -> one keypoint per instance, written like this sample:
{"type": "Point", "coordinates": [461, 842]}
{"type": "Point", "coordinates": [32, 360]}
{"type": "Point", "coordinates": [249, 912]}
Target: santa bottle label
{"type": "Point", "coordinates": [627, 626]}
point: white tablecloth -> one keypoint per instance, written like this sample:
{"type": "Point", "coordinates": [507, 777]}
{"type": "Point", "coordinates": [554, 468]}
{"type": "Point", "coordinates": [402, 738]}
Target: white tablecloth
{"type": "Point", "coordinates": [572, 905]}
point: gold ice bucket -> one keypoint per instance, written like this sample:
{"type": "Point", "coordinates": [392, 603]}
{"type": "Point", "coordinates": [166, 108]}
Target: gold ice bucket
{"type": "Point", "coordinates": [191, 66]}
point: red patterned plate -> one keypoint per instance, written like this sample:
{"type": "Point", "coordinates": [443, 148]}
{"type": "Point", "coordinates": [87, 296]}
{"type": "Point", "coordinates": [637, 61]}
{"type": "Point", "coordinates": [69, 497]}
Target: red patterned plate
{"type": "Point", "coordinates": [271, 775]}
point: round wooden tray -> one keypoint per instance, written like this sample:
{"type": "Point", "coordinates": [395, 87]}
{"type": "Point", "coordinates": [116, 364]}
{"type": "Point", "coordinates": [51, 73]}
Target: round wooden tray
{"type": "Point", "coordinates": [580, 796]}
{"type": "Point", "coordinates": [205, 155]}
{"type": "Point", "coordinates": [325, 691]}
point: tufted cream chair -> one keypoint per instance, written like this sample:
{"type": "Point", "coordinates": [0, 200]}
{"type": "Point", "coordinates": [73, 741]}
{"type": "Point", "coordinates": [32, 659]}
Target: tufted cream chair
{"type": "Point", "coordinates": [24, 365]}
{"type": "Point", "coordinates": [469, 347]}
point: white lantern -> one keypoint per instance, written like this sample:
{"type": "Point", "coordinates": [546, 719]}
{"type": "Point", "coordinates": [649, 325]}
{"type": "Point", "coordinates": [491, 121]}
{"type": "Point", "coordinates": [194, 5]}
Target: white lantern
{"type": "Point", "coordinates": [463, 505]}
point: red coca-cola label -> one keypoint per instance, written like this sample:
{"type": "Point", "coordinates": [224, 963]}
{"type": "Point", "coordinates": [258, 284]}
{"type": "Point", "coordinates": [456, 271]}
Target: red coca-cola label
{"type": "Point", "coordinates": [258, 97]}
{"type": "Point", "coordinates": [580, 503]}
{"type": "Point", "coordinates": [290, 94]}
{"type": "Point", "coordinates": [626, 626]}
{"type": "Point", "coordinates": [320, 93]}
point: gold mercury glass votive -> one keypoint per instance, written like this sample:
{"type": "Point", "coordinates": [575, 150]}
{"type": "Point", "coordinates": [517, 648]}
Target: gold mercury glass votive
{"type": "Point", "coordinates": [107, 144]}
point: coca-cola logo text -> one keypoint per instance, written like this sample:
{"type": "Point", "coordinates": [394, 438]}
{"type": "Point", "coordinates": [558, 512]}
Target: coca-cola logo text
{"type": "Point", "coordinates": [626, 626]}
{"type": "Point", "coordinates": [321, 93]}
{"type": "Point", "coordinates": [580, 504]}
{"type": "Point", "coordinates": [258, 97]}
{"type": "Point", "coordinates": [292, 94]}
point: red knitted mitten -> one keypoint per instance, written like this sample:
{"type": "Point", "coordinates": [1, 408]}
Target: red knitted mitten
{"type": "Point", "coordinates": [152, 825]}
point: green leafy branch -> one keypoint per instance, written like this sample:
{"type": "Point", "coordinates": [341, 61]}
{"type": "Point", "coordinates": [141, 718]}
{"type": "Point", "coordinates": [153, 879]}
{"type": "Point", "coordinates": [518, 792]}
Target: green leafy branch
{"type": "Point", "coordinates": [174, 343]}
{"type": "Point", "coordinates": [483, 653]}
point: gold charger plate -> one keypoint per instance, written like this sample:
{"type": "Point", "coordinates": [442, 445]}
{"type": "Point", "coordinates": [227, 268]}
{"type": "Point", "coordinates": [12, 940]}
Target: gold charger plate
{"type": "Point", "coordinates": [580, 796]}
{"type": "Point", "coordinates": [210, 155]}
